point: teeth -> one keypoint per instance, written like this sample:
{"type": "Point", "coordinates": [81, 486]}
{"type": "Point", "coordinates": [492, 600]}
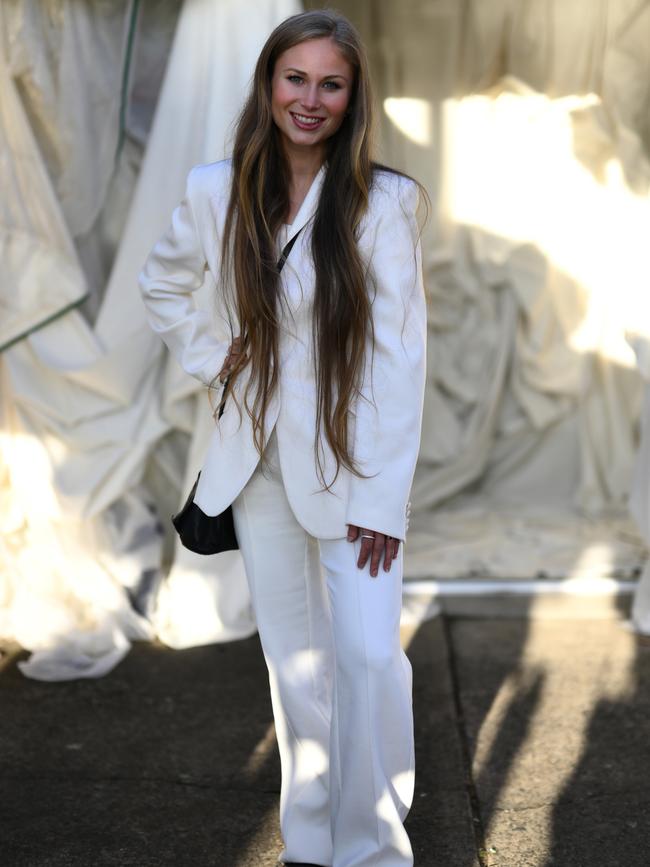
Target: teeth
{"type": "Point", "coordinates": [303, 119]}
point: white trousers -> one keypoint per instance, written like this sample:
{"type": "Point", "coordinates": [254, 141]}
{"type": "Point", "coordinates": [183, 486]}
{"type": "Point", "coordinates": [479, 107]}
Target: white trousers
{"type": "Point", "coordinates": [340, 683]}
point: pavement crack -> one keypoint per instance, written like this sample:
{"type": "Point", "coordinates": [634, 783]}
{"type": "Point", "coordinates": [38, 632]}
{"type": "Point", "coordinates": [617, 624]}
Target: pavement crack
{"type": "Point", "coordinates": [171, 781]}
{"type": "Point", "coordinates": [474, 804]}
{"type": "Point", "coordinates": [567, 802]}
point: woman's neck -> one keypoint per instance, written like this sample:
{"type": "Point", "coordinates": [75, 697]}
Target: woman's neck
{"type": "Point", "coordinates": [304, 162]}
{"type": "Point", "coordinates": [304, 165]}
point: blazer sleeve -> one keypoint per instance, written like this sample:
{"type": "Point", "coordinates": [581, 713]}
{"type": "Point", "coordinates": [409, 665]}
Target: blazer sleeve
{"type": "Point", "coordinates": [175, 269]}
{"type": "Point", "coordinates": [389, 409]}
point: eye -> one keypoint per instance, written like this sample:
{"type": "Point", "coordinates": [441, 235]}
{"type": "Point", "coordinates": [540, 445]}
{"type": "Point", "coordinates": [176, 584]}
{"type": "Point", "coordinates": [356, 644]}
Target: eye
{"type": "Point", "coordinates": [294, 79]}
{"type": "Point", "coordinates": [332, 85]}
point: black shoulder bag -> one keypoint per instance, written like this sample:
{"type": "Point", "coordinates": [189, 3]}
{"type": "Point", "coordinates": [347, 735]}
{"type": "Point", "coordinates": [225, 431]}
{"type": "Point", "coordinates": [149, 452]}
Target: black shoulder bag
{"type": "Point", "coordinates": [207, 534]}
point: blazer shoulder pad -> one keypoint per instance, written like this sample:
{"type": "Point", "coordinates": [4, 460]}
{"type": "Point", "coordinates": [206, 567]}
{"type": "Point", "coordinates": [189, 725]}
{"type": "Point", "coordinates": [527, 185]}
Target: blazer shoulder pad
{"type": "Point", "coordinates": [390, 188]}
{"type": "Point", "coordinates": [210, 180]}
{"type": "Point", "coordinates": [392, 196]}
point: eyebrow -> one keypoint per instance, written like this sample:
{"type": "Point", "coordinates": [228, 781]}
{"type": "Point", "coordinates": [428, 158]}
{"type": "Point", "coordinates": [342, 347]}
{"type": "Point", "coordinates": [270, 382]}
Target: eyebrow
{"type": "Point", "coordinates": [302, 72]}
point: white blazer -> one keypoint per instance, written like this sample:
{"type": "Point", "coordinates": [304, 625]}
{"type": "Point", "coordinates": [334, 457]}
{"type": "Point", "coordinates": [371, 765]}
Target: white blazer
{"type": "Point", "coordinates": [385, 426]}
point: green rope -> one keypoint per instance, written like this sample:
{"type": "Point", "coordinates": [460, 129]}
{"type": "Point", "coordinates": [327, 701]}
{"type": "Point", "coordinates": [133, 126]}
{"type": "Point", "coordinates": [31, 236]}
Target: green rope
{"type": "Point", "coordinates": [126, 71]}
{"type": "Point", "coordinates": [48, 321]}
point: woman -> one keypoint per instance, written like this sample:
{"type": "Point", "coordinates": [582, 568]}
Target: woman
{"type": "Point", "coordinates": [317, 444]}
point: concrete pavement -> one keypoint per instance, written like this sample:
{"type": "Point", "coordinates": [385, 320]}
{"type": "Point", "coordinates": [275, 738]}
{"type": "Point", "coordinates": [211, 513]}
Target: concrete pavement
{"type": "Point", "coordinates": [532, 737]}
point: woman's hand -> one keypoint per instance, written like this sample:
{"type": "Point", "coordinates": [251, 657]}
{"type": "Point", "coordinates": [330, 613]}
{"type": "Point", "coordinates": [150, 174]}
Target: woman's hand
{"type": "Point", "coordinates": [234, 351]}
{"type": "Point", "coordinates": [373, 545]}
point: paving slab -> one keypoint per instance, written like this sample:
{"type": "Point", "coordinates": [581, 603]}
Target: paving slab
{"type": "Point", "coordinates": [170, 760]}
{"type": "Point", "coordinates": [557, 720]}
{"type": "Point", "coordinates": [440, 823]}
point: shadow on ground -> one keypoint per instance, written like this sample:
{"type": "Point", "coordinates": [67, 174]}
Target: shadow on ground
{"type": "Point", "coordinates": [532, 742]}
{"type": "Point", "coordinates": [171, 760]}
{"type": "Point", "coordinates": [166, 761]}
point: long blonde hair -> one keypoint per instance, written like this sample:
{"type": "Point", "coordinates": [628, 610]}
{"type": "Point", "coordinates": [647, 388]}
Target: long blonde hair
{"type": "Point", "coordinates": [258, 206]}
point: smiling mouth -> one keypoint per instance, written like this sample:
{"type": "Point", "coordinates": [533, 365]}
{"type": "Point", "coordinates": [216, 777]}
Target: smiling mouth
{"type": "Point", "coordinates": [304, 121]}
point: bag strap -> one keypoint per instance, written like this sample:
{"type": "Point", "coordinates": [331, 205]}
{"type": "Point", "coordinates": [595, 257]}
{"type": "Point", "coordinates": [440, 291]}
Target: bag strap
{"type": "Point", "coordinates": [288, 247]}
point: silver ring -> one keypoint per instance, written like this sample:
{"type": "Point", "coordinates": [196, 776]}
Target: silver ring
{"type": "Point", "coordinates": [367, 537]}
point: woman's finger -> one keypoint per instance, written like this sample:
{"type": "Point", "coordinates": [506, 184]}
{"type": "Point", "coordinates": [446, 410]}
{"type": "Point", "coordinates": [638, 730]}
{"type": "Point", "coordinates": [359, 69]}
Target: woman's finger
{"type": "Point", "coordinates": [367, 541]}
{"type": "Point", "coordinates": [353, 532]}
{"type": "Point", "coordinates": [377, 550]}
{"type": "Point", "coordinates": [234, 351]}
{"type": "Point", "coordinates": [373, 546]}
{"type": "Point", "coordinates": [225, 367]}
{"type": "Point", "coordinates": [389, 553]}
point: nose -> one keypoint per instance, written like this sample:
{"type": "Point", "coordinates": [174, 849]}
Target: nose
{"type": "Point", "coordinates": [309, 98]}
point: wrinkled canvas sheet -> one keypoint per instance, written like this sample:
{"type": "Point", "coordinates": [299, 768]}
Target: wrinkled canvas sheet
{"type": "Point", "coordinates": [640, 493]}
{"type": "Point", "coordinates": [96, 423]}
{"type": "Point", "coordinates": [529, 125]}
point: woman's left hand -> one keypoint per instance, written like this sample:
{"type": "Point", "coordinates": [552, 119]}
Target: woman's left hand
{"type": "Point", "coordinates": [374, 545]}
{"type": "Point", "coordinates": [234, 351]}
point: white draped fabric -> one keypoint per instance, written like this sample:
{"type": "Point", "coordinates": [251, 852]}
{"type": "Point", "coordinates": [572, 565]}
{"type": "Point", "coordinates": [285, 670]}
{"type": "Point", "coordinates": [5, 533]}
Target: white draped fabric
{"type": "Point", "coordinates": [529, 123]}
{"type": "Point", "coordinates": [35, 241]}
{"type": "Point", "coordinates": [95, 422]}
{"type": "Point", "coordinates": [640, 493]}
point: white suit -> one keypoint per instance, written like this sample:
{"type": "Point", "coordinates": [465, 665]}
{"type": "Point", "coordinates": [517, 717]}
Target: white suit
{"type": "Point", "coordinates": [340, 682]}
{"type": "Point", "coordinates": [386, 434]}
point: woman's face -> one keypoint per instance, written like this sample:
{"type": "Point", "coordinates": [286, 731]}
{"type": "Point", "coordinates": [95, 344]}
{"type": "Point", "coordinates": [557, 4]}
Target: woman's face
{"type": "Point", "coordinates": [310, 93]}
